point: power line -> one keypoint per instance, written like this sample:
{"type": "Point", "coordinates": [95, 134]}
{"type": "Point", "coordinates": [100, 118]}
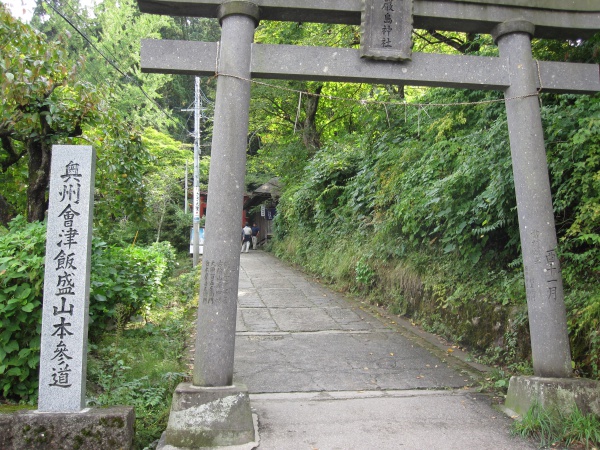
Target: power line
{"type": "Point", "coordinates": [83, 23]}
{"type": "Point", "coordinates": [111, 62]}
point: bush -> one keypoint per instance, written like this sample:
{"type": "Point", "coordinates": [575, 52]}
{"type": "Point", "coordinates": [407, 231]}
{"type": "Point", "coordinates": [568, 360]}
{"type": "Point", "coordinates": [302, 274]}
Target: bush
{"type": "Point", "coordinates": [21, 287]}
{"type": "Point", "coordinates": [131, 277]}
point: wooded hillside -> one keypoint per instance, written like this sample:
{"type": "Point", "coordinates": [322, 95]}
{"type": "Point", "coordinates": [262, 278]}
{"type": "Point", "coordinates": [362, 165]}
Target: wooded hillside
{"type": "Point", "coordinates": [403, 195]}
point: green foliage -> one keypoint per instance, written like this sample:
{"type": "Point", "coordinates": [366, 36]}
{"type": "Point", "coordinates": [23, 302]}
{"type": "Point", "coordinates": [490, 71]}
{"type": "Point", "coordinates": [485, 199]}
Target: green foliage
{"type": "Point", "coordinates": [551, 427]}
{"type": "Point", "coordinates": [428, 193]}
{"type": "Point", "coordinates": [537, 423]}
{"type": "Point", "coordinates": [583, 305]}
{"type": "Point", "coordinates": [117, 28]}
{"type": "Point", "coordinates": [132, 277]}
{"type": "Point", "coordinates": [496, 382]}
{"type": "Point", "coordinates": [43, 104]}
{"type": "Point", "coordinates": [46, 103]}
{"type": "Point", "coordinates": [316, 200]}
{"type": "Point", "coordinates": [184, 288]}
{"type": "Point", "coordinates": [125, 282]}
{"type": "Point", "coordinates": [308, 34]}
{"type": "Point", "coordinates": [141, 365]}
{"type": "Point", "coordinates": [583, 429]}
{"type": "Point", "coordinates": [573, 127]}
{"type": "Point", "coordinates": [140, 191]}
{"type": "Point", "coordinates": [164, 178]}
{"type": "Point", "coordinates": [120, 196]}
{"type": "Point", "coordinates": [21, 285]}
{"type": "Point", "coordinates": [365, 276]}
{"type": "Point", "coordinates": [452, 183]}
{"type": "Point", "coordinates": [36, 75]}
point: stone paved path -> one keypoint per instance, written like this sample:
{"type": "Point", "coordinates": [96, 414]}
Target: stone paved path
{"type": "Point", "coordinates": [325, 374]}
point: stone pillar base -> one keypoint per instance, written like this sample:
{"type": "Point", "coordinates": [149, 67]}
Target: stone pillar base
{"type": "Point", "coordinates": [562, 393]}
{"type": "Point", "coordinates": [204, 417]}
{"type": "Point", "coordinates": [90, 429]}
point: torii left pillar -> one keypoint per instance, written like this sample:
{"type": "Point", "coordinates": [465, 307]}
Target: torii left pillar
{"type": "Point", "coordinates": [212, 411]}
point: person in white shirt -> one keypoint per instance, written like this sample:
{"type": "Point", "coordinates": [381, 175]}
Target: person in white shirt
{"type": "Point", "coordinates": [246, 238]}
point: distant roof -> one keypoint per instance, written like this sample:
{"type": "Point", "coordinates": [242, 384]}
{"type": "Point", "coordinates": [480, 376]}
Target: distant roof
{"type": "Point", "coordinates": [271, 187]}
{"type": "Point", "coordinates": [270, 190]}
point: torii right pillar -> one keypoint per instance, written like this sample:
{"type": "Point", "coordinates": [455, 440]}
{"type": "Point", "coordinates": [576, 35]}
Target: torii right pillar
{"type": "Point", "coordinates": [545, 299]}
{"type": "Point", "coordinates": [543, 280]}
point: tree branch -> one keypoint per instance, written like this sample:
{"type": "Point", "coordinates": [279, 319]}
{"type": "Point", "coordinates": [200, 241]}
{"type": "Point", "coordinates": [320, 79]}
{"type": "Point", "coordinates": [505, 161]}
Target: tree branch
{"type": "Point", "coordinates": [13, 156]}
{"type": "Point", "coordinates": [467, 46]}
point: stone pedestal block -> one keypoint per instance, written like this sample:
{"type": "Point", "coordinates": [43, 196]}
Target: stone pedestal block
{"type": "Point", "coordinates": [205, 417]}
{"type": "Point", "coordinates": [90, 429]}
{"type": "Point", "coordinates": [562, 393]}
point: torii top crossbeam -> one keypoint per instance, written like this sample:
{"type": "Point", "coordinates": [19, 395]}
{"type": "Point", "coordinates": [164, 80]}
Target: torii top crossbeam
{"type": "Point", "coordinates": [553, 19]}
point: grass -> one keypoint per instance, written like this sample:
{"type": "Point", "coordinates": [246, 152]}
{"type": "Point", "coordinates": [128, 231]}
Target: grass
{"type": "Point", "coordinates": [10, 408]}
{"type": "Point", "coordinates": [140, 364]}
{"type": "Point", "coordinates": [554, 429]}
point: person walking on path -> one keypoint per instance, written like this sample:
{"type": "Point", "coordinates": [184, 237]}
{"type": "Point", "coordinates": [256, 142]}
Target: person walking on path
{"type": "Point", "coordinates": [246, 238]}
{"type": "Point", "coordinates": [255, 233]}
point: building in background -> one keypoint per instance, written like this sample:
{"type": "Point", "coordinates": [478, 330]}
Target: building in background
{"type": "Point", "coordinates": [260, 207]}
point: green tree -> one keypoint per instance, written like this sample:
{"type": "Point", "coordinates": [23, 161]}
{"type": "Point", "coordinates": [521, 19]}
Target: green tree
{"type": "Point", "coordinates": [42, 105]}
{"type": "Point", "coordinates": [280, 116]}
{"type": "Point", "coordinates": [121, 27]}
{"type": "Point", "coordinates": [165, 179]}
{"type": "Point", "coordinates": [109, 41]}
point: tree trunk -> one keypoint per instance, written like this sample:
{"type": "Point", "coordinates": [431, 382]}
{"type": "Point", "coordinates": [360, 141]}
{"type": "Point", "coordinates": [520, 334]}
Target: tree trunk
{"type": "Point", "coordinates": [310, 136]}
{"type": "Point", "coordinates": [39, 178]}
{"type": "Point", "coordinates": [396, 91]}
{"type": "Point", "coordinates": [6, 211]}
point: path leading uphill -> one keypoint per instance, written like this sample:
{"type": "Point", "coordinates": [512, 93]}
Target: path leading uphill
{"type": "Point", "coordinates": [325, 374]}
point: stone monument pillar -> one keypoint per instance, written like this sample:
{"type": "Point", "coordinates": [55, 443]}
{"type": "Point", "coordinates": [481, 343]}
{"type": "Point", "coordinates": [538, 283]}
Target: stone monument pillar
{"type": "Point", "coordinates": [543, 279]}
{"type": "Point", "coordinates": [212, 411]}
{"type": "Point", "coordinates": [62, 419]}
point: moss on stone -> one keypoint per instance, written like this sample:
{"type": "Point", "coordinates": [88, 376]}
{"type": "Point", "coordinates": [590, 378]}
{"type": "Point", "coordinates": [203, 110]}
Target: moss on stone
{"type": "Point", "coordinates": [112, 422]}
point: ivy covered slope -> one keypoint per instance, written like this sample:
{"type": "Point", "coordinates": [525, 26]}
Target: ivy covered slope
{"type": "Point", "coordinates": [414, 207]}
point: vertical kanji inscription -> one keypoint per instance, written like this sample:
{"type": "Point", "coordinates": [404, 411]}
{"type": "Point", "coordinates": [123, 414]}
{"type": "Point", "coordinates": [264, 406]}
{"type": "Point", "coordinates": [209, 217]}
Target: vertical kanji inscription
{"type": "Point", "coordinates": [387, 29]}
{"type": "Point", "coordinates": [66, 282]}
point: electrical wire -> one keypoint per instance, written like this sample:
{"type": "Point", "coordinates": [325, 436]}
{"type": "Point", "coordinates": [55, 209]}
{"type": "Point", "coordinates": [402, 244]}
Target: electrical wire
{"type": "Point", "coordinates": [111, 62]}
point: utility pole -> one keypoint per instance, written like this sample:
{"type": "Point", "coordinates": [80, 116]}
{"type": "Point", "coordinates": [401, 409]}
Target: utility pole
{"type": "Point", "coordinates": [185, 201]}
{"type": "Point", "coordinates": [197, 113]}
{"type": "Point", "coordinates": [196, 208]}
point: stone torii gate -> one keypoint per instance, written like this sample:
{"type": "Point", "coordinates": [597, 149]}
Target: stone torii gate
{"type": "Point", "coordinates": [384, 58]}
